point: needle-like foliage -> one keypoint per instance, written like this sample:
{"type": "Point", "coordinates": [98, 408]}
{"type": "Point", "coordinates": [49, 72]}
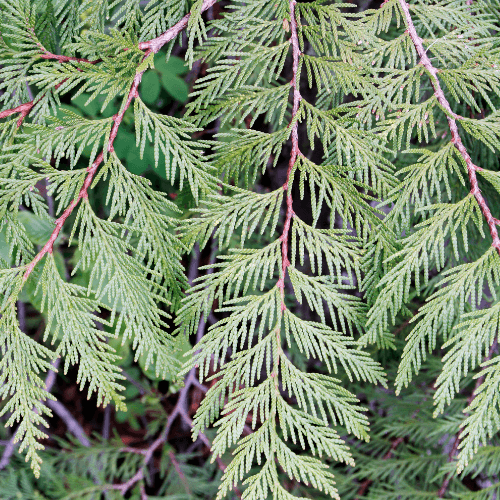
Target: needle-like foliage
{"type": "Point", "coordinates": [349, 186]}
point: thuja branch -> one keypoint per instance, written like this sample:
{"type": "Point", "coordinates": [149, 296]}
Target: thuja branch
{"type": "Point", "coordinates": [10, 448]}
{"type": "Point", "coordinates": [149, 47]}
{"type": "Point", "coordinates": [91, 171]}
{"type": "Point", "coordinates": [25, 108]}
{"type": "Point", "coordinates": [452, 123]}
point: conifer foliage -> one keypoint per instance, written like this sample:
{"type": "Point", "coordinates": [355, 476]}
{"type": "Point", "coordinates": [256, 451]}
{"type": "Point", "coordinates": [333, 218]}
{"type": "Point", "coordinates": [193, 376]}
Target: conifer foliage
{"type": "Point", "coordinates": [357, 290]}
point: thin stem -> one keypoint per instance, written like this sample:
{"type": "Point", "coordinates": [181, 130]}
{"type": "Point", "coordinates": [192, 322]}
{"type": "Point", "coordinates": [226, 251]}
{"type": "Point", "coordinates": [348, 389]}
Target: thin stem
{"type": "Point", "coordinates": [475, 191]}
{"type": "Point", "coordinates": [182, 477]}
{"type": "Point", "coordinates": [194, 264]}
{"type": "Point", "coordinates": [23, 109]}
{"type": "Point", "coordinates": [60, 58]}
{"type": "Point", "coordinates": [452, 123]}
{"type": "Point", "coordinates": [156, 44]}
{"type": "Point", "coordinates": [106, 426]}
{"type": "Point", "coordinates": [285, 262]}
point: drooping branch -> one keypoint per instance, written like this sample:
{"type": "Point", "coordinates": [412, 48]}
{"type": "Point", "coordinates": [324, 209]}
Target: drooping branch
{"type": "Point", "coordinates": [150, 47]}
{"type": "Point", "coordinates": [181, 407]}
{"type": "Point", "coordinates": [452, 123]}
{"type": "Point", "coordinates": [475, 191]}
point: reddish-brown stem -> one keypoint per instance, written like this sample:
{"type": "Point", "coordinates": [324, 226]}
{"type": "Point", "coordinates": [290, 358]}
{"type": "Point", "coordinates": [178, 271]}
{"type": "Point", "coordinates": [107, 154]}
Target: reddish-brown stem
{"type": "Point", "coordinates": [285, 262]}
{"type": "Point", "coordinates": [62, 59]}
{"type": "Point", "coordinates": [157, 43]}
{"type": "Point", "coordinates": [451, 117]}
{"type": "Point", "coordinates": [48, 247]}
{"type": "Point", "coordinates": [23, 109]}
{"type": "Point", "coordinates": [366, 483]}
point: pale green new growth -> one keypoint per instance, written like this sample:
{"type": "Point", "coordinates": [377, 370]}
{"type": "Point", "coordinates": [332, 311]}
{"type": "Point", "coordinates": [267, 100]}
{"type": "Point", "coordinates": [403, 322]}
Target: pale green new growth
{"type": "Point", "coordinates": [381, 235]}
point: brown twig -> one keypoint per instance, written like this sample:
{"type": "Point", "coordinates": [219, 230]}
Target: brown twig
{"type": "Point", "coordinates": [285, 262]}
{"type": "Point", "coordinates": [452, 123]}
{"type": "Point", "coordinates": [71, 423]}
{"type": "Point", "coordinates": [60, 58]}
{"type": "Point", "coordinates": [157, 43]}
{"type": "Point", "coordinates": [23, 109]}
{"type": "Point", "coordinates": [180, 410]}
{"type": "Point", "coordinates": [48, 247]}
{"type": "Point", "coordinates": [152, 46]}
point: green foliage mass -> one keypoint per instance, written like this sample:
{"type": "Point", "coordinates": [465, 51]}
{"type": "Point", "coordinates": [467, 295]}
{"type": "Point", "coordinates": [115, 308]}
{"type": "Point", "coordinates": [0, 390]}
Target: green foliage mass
{"type": "Point", "coordinates": [348, 187]}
